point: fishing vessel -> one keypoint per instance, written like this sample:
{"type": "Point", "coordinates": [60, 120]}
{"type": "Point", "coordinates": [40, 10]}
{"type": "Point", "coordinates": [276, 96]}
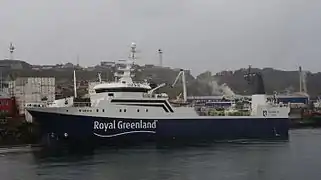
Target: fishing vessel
{"type": "Point", "coordinates": [125, 111]}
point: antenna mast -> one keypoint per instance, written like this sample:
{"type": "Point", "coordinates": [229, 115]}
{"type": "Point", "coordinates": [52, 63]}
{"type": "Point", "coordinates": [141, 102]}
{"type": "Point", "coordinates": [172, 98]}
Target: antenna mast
{"type": "Point", "coordinates": [11, 50]}
{"type": "Point", "coordinates": [300, 78]}
{"type": "Point", "coordinates": [160, 53]}
{"type": "Point", "coordinates": [126, 76]}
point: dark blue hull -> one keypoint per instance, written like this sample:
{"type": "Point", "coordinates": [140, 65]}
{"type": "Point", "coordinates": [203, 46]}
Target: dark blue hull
{"type": "Point", "coordinates": [97, 130]}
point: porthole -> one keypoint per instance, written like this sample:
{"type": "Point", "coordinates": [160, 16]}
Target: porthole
{"type": "Point", "coordinates": [137, 110]}
{"type": "Point", "coordinates": [66, 110]}
{"type": "Point", "coordinates": [79, 110]}
{"type": "Point", "coordinates": [103, 110]}
{"type": "Point", "coordinates": [97, 110]}
{"type": "Point", "coordinates": [119, 110]}
{"type": "Point", "coordinates": [124, 110]}
{"type": "Point", "coordinates": [146, 110]}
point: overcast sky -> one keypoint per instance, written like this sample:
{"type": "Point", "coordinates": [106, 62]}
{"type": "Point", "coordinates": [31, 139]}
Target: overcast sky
{"type": "Point", "coordinates": [194, 34]}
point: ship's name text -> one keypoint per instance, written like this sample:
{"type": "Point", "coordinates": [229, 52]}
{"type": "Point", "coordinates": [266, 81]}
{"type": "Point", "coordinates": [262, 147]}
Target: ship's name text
{"type": "Point", "coordinates": [125, 125]}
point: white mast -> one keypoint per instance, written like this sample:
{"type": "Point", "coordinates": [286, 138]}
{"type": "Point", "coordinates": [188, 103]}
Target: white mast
{"type": "Point", "coordinates": [75, 85]}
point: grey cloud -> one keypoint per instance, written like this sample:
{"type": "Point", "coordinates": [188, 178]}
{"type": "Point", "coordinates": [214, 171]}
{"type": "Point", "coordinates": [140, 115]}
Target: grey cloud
{"type": "Point", "coordinates": [199, 35]}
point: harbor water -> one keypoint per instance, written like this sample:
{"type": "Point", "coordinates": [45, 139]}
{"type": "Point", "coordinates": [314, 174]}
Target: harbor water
{"type": "Point", "coordinates": [296, 159]}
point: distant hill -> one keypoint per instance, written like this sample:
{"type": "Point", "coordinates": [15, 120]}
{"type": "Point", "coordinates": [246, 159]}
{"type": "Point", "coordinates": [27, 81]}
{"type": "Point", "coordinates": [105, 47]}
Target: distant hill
{"type": "Point", "coordinates": [274, 80]}
{"type": "Point", "coordinates": [15, 64]}
{"type": "Point", "coordinates": [204, 84]}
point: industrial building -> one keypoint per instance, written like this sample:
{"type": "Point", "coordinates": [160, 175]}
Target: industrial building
{"type": "Point", "coordinates": [31, 90]}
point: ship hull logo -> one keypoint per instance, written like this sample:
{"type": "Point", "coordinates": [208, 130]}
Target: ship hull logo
{"type": "Point", "coordinates": [113, 128]}
{"type": "Point", "coordinates": [265, 113]}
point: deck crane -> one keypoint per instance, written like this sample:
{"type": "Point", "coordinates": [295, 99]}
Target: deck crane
{"type": "Point", "coordinates": [182, 75]}
{"type": "Point", "coordinates": [150, 92]}
{"type": "Point", "coordinates": [99, 78]}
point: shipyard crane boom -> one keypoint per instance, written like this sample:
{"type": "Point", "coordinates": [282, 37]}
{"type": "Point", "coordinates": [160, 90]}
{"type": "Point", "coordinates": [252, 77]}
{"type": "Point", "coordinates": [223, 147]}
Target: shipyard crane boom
{"type": "Point", "coordinates": [181, 74]}
{"type": "Point", "coordinates": [177, 77]}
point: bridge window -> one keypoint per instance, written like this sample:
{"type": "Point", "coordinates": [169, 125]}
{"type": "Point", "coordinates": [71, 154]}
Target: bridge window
{"type": "Point", "coordinates": [122, 89]}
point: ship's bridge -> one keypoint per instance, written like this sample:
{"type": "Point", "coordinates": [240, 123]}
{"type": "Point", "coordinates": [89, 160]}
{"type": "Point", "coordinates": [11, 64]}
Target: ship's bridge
{"type": "Point", "coordinates": [122, 87]}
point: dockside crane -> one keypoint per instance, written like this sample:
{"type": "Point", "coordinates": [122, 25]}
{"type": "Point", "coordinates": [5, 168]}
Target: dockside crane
{"type": "Point", "coordinates": [182, 75]}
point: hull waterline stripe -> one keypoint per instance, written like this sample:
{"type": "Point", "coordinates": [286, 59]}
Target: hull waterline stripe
{"type": "Point", "coordinates": [120, 134]}
{"type": "Point", "coordinates": [169, 106]}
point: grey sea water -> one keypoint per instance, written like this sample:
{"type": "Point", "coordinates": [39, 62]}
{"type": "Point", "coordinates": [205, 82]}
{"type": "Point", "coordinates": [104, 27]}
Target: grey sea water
{"type": "Point", "coordinates": [297, 159]}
